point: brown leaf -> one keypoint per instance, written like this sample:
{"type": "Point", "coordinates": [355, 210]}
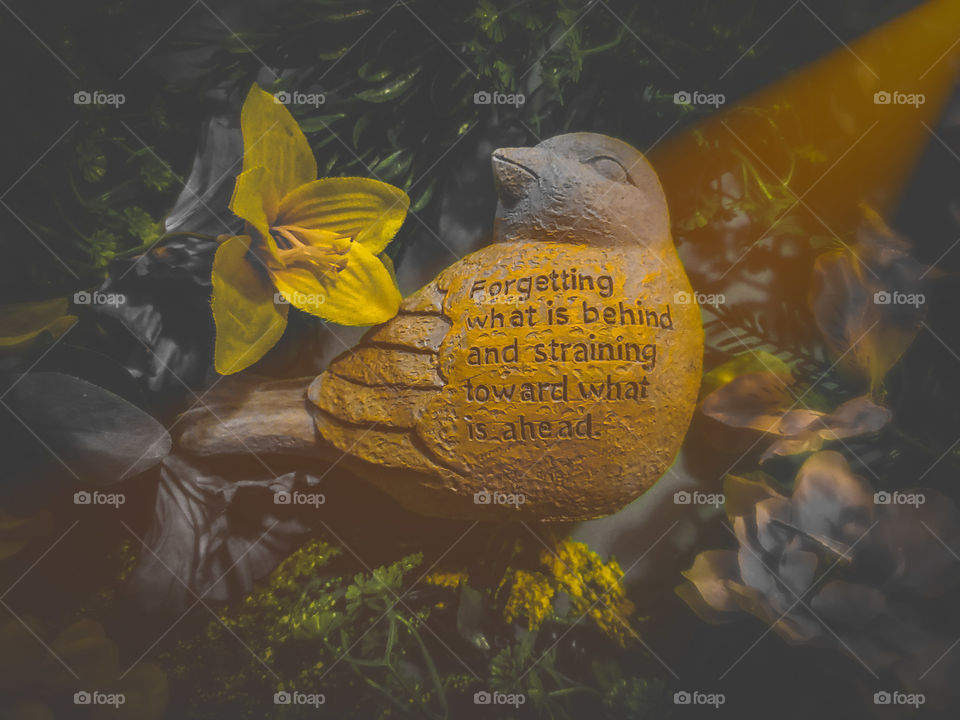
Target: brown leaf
{"type": "Point", "coordinates": [709, 575]}
{"type": "Point", "coordinates": [760, 401]}
{"type": "Point", "coordinates": [854, 417]}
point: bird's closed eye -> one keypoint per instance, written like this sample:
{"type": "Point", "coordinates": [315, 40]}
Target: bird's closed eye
{"type": "Point", "coordinates": [609, 167]}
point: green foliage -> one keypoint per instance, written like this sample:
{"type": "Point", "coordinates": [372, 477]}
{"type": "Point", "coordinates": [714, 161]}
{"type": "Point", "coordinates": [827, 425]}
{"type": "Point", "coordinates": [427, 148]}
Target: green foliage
{"type": "Point", "coordinates": [398, 95]}
{"type": "Point", "coordinates": [388, 642]}
{"type": "Point", "coordinates": [320, 633]}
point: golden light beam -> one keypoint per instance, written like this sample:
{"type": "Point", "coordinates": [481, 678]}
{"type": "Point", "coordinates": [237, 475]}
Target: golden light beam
{"type": "Point", "coordinates": [843, 131]}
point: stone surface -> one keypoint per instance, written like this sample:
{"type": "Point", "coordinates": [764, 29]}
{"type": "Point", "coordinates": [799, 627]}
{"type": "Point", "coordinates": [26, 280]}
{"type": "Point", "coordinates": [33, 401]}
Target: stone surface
{"type": "Point", "coordinates": [245, 414]}
{"type": "Point", "coordinates": [559, 365]}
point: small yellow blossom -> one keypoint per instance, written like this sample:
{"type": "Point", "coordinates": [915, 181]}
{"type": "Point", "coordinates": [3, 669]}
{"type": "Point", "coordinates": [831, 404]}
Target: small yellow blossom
{"type": "Point", "coordinates": [446, 579]}
{"type": "Point", "coordinates": [593, 585]}
{"type": "Point", "coordinates": [531, 596]}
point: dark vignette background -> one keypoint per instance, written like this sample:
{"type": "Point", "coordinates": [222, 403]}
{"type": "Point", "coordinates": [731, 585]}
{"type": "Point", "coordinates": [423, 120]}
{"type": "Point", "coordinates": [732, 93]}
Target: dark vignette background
{"type": "Point", "coordinates": [400, 106]}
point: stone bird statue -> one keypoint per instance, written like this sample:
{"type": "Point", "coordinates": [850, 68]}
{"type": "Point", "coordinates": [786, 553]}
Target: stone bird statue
{"type": "Point", "coordinates": [551, 375]}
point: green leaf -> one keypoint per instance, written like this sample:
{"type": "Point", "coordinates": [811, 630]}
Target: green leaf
{"type": "Point", "coordinates": [393, 165]}
{"type": "Point", "coordinates": [390, 91]}
{"type": "Point", "coordinates": [358, 129]}
{"type": "Point", "coordinates": [321, 122]}
{"type": "Point", "coordinates": [424, 198]}
{"type": "Point", "coordinates": [142, 226]}
{"type": "Point", "coordinates": [368, 72]}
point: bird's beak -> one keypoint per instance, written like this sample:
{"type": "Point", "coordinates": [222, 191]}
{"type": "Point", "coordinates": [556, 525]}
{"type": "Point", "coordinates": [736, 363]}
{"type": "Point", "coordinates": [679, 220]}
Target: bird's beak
{"type": "Point", "coordinates": [516, 171]}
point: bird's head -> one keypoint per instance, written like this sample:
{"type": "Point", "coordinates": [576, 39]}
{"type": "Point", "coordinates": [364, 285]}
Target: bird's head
{"type": "Point", "coordinates": [579, 187]}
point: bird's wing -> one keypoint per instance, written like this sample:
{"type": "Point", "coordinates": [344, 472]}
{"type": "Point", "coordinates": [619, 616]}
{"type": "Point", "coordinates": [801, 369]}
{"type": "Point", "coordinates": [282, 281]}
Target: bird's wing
{"type": "Point", "coordinates": [370, 398]}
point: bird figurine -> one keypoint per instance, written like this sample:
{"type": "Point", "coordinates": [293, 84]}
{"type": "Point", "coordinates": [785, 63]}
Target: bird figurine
{"type": "Point", "coordinates": [550, 375]}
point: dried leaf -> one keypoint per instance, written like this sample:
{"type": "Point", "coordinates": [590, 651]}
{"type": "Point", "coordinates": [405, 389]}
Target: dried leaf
{"type": "Point", "coordinates": [20, 324]}
{"type": "Point", "coordinates": [760, 401]}
{"type": "Point", "coordinates": [855, 417]}
{"type": "Point", "coordinates": [709, 574]}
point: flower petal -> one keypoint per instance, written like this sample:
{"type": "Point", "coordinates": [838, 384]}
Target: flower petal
{"type": "Point", "coordinates": [272, 138]}
{"type": "Point", "coordinates": [255, 200]}
{"type": "Point", "coordinates": [369, 211]}
{"type": "Point", "coordinates": [362, 293]}
{"type": "Point", "coordinates": [248, 320]}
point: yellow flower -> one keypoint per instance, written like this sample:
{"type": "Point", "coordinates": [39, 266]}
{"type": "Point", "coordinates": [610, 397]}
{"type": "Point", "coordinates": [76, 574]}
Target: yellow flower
{"type": "Point", "coordinates": [531, 595]}
{"type": "Point", "coordinates": [594, 587]}
{"type": "Point", "coordinates": [315, 244]}
{"type": "Point", "coordinates": [446, 579]}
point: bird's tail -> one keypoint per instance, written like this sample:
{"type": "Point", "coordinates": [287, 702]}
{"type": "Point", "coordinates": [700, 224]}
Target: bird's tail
{"type": "Point", "coordinates": [243, 415]}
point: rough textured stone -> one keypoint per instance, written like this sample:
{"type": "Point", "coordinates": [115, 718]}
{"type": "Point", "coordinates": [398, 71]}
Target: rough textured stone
{"type": "Point", "coordinates": [243, 415]}
{"type": "Point", "coordinates": [560, 364]}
